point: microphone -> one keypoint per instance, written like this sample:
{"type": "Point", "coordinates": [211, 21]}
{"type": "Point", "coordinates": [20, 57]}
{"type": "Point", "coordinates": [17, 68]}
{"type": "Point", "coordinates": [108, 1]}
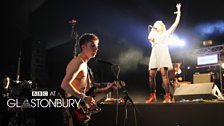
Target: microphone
{"type": "Point", "coordinates": [105, 62]}
{"type": "Point", "coordinates": [151, 27]}
{"type": "Point", "coordinates": [176, 12]}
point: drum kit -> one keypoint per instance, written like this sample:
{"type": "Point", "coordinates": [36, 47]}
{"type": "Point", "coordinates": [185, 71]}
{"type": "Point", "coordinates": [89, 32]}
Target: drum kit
{"type": "Point", "coordinates": [20, 90]}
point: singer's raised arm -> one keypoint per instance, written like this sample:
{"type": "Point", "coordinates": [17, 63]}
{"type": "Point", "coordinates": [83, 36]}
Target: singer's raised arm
{"type": "Point", "coordinates": [177, 20]}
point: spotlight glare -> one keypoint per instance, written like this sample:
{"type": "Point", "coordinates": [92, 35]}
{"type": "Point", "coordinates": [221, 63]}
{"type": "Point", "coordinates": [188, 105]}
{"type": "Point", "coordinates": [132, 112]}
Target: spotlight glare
{"type": "Point", "coordinates": [179, 71]}
{"type": "Point", "coordinates": [176, 41]}
{"type": "Point", "coordinates": [222, 65]}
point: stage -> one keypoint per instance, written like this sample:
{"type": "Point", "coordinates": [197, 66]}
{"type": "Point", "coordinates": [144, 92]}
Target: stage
{"type": "Point", "coordinates": [208, 113]}
{"type": "Point", "coordinates": [203, 113]}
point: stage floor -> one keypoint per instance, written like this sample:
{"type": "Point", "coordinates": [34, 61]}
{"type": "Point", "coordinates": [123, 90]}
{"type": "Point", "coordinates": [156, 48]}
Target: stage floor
{"type": "Point", "coordinates": [203, 113]}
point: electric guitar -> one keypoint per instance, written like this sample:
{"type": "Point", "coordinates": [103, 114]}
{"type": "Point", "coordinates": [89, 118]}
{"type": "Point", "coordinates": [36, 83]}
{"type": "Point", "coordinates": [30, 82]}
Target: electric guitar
{"type": "Point", "coordinates": [93, 109]}
{"type": "Point", "coordinates": [82, 113]}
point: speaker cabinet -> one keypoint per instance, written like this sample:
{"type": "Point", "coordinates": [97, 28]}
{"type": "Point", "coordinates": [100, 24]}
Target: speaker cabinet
{"type": "Point", "coordinates": [202, 78]}
{"type": "Point", "coordinates": [197, 91]}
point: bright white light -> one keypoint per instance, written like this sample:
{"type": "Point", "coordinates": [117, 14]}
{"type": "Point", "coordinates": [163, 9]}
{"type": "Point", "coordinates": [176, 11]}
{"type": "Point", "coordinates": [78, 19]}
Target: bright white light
{"type": "Point", "coordinates": [179, 71]}
{"type": "Point", "coordinates": [176, 41]}
{"type": "Point", "coordinates": [222, 65]}
{"type": "Point", "coordinates": [188, 68]}
{"type": "Point", "coordinates": [208, 59]}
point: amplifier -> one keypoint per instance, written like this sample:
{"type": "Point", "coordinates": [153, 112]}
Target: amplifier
{"type": "Point", "coordinates": [202, 78]}
{"type": "Point", "coordinates": [197, 91]}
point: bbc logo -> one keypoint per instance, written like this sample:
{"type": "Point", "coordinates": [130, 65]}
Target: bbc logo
{"type": "Point", "coordinates": [39, 93]}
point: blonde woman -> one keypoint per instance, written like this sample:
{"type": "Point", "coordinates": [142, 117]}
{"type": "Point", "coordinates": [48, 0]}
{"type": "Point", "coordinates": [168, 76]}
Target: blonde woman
{"type": "Point", "coordinates": [160, 56]}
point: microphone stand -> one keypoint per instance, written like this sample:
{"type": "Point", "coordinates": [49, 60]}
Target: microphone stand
{"type": "Point", "coordinates": [127, 99]}
{"type": "Point", "coordinates": [18, 67]}
{"type": "Point", "coordinates": [74, 36]}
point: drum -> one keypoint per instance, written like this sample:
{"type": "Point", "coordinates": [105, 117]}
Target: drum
{"type": "Point", "coordinates": [21, 88]}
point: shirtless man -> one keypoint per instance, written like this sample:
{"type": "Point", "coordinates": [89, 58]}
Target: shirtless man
{"type": "Point", "coordinates": [77, 80]}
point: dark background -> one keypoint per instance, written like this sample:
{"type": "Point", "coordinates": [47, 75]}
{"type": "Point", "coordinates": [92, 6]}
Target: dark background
{"type": "Point", "coordinates": [121, 25]}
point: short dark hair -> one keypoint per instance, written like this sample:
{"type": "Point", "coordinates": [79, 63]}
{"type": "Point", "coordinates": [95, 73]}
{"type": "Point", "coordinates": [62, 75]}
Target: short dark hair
{"type": "Point", "coordinates": [85, 38]}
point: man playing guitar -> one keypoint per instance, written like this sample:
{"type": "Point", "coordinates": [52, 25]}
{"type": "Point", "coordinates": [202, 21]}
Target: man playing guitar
{"type": "Point", "coordinates": [77, 80]}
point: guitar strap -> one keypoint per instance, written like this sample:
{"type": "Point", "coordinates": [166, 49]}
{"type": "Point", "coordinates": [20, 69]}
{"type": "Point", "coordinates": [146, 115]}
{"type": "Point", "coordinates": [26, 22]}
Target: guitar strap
{"type": "Point", "coordinates": [90, 78]}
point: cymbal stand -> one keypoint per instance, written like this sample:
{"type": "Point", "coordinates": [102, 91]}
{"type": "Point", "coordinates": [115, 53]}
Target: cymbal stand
{"type": "Point", "coordinates": [74, 36]}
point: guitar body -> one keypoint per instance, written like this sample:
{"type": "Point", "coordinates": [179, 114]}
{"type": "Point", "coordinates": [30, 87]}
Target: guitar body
{"type": "Point", "coordinates": [79, 117]}
{"type": "Point", "coordinates": [78, 114]}
{"type": "Point", "coordinates": [81, 113]}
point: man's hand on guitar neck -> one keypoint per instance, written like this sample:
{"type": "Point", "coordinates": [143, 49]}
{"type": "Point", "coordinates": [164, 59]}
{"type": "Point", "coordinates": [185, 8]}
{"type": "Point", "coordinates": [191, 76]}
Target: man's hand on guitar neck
{"type": "Point", "coordinates": [109, 87]}
{"type": "Point", "coordinates": [115, 85]}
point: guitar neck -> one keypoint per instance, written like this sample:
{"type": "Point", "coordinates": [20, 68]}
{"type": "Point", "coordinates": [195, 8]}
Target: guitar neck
{"type": "Point", "coordinates": [102, 84]}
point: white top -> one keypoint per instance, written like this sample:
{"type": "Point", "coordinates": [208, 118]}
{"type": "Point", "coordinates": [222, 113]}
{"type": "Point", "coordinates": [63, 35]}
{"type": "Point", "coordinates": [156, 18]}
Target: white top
{"type": "Point", "coordinates": [160, 56]}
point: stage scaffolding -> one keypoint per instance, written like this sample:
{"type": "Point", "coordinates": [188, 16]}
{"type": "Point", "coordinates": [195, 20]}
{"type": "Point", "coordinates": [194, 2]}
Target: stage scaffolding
{"type": "Point", "coordinates": [218, 49]}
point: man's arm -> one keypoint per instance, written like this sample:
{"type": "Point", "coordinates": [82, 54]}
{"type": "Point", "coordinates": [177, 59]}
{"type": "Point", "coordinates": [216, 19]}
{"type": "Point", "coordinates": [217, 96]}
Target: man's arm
{"type": "Point", "coordinates": [105, 87]}
{"type": "Point", "coordinates": [72, 70]}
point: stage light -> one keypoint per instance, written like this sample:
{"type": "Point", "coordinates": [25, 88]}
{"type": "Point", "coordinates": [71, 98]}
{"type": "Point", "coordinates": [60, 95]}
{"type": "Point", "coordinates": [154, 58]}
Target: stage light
{"type": "Point", "coordinates": [222, 65]}
{"type": "Point", "coordinates": [180, 79]}
{"type": "Point", "coordinates": [207, 59]}
{"type": "Point", "coordinates": [179, 71]}
{"type": "Point", "coordinates": [188, 67]}
{"type": "Point", "coordinates": [207, 43]}
{"type": "Point", "coordinates": [176, 41]}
